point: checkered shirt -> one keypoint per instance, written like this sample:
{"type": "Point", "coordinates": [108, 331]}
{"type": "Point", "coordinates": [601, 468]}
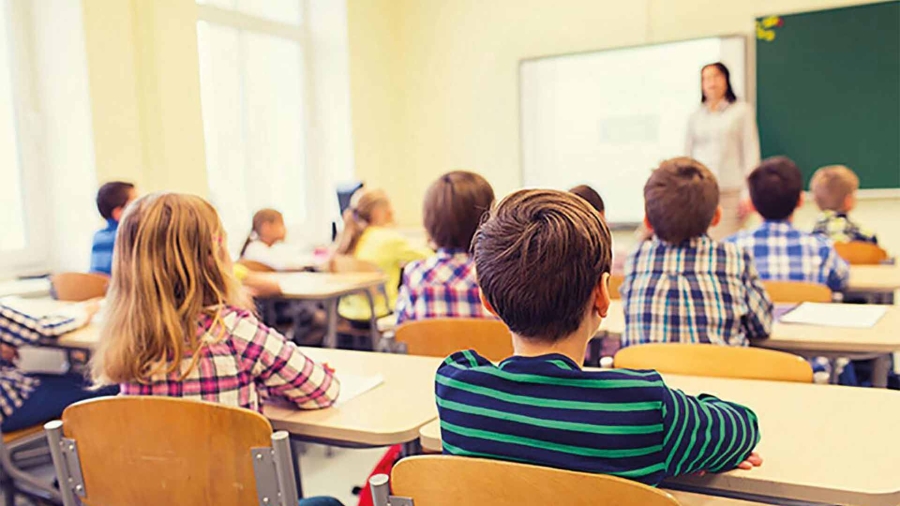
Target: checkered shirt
{"type": "Point", "coordinates": [243, 363]}
{"type": "Point", "coordinates": [443, 286]}
{"type": "Point", "coordinates": [18, 328]}
{"type": "Point", "coordinates": [839, 228]}
{"type": "Point", "coordinates": [783, 253]}
{"type": "Point", "coordinates": [699, 291]}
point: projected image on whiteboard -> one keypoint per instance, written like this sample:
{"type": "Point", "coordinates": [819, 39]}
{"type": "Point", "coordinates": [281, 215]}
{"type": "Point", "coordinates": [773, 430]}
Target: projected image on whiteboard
{"type": "Point", "coordinates": [607, 118]}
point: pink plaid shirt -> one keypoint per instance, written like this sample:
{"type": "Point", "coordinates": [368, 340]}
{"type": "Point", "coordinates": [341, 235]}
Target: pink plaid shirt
{"type": "Point", "coordinates": [243, 363]}
{"type": "Point", "coordinates": [443, 286]}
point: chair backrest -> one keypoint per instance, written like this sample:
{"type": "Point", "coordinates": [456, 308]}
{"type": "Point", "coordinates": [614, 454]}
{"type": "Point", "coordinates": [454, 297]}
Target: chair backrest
{"type": "Point", "coordinates": [143, 451]}
{"type": "Point", "coordinates": [347, 263]}
{"type": "Point", "coordinates": [78, 286]}
{"type": "Point", "coordinates": [615, 281]}
{"type": "Point", "coordinates": [254, 266]}
{"type": "Point", "coordinates": [440, 337]}
{"type": "Point", "coordinates": [797, 291]}
{"type": "Point", "coordinates": [861, 253]}
{"type": "Point", "coordinates": [715, 361]}
{"type": "Point", "coordinates": [443, 480]}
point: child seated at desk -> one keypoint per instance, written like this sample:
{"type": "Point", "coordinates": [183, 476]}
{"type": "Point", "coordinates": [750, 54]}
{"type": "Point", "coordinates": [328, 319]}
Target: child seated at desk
{"type": "Point", "coordinates": [543, 260]}
{"type": "Point", "coordinates": [780, 251]}
{"type": "Point", "coordinates": [834, 189]}
{"type": "Point", "coordinates": [174, 297]}
{"type": "Point", "coordinates": [112, 199]}
{"type": "Point", "coordinates": [444, 286]}
{"type": "Point", "coordinates": [681, 285]}
{"type": "Point", "coordinates": [265, 244]}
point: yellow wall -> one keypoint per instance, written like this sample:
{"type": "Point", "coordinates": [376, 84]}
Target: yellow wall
{"type": "Point", "coordinates": [434, 83]}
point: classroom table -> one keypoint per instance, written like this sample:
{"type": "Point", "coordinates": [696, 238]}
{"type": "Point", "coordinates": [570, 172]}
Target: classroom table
{"type": "Point", "coordinates": [32, 287]}
{"type": "Point", "coordinates": [878, 280]}
{"type": "Point", "coordinates": [328, 288]}
{"type": "Point", "coordinates": [820, 443]}
{"type": "Point", "coordinates": [813, 340]}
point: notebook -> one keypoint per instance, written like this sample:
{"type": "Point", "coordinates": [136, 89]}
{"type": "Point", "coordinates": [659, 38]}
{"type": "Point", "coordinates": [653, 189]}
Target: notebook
{"type": "Point", "coordinates": [353, 386]}
{"type": "Point", "coordinates": [853, 316]}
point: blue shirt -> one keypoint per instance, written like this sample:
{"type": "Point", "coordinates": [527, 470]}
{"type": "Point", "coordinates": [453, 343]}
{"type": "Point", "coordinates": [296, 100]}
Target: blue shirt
{"type": "Point", "coordinates": [102, 250]}
{"type": "Point", "coordinates": [783, 253]}
{"type": "Point", "coordinates": [545, 410]}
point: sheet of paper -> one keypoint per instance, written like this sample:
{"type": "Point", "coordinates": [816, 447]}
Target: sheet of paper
{"type": "Point", "coordinates": [353, 386]}
{"type": "Point", "coordinates": [37, 308]}
{"type": "Point", "coordinates": [853, 316]}
{"type": "Point", "coordinates": [42, 360]}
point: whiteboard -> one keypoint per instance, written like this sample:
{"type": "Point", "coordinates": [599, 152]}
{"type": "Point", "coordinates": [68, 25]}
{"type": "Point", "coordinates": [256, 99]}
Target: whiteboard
{"type": "Point", "coordinates": [607, 118]}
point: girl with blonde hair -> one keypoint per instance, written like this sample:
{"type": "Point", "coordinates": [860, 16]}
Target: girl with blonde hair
{"type": "Point", "coordinates": [177, 322]}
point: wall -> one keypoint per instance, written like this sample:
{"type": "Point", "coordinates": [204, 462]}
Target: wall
{"type": "Point", "coordinates": [434, 83]}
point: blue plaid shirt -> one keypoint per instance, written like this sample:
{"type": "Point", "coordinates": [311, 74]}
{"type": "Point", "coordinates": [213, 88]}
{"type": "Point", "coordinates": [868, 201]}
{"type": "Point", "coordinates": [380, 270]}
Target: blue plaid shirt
{"type": "Point", "coordinates": [783, 253]}
{"type": "Point", "coordinates": [443, 286]}
{"type": "Point", "coordinates": [699, 291]}
{"type": "Point", "coordinates": [102, 250]}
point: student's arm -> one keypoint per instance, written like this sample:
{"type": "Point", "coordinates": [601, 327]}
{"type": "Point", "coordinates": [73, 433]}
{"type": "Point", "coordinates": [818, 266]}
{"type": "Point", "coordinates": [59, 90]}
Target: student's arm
{"type": "Point", "coordinates": [281, 368]}
{"type": "Point", "coordinates": [18, 328]}
{"type": "Point", "coordinates": [405, 252]}
{"type": "Point", "coordinates": [405, 304]}
{"type": "Point", "coordinates": [705, 433]}
{"type": "Point", "coordinates": [836, 268]}
{"type": "Point", "coordinates": [758, 320]}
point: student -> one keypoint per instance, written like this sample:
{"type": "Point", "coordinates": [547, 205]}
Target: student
{"type": "Point", "coordinates": [681, 285]}
{"type": "Point", "coordinates": [29, 399]}
{"type": "Point", "coordinates": [780, 251]}
{"type": "Point", "coordinates": [265, 244]}
{"type": "Point", "coordinates": [591, 196]}
{"type": "Point", "coordinates": [543, 261]}
{"type": "Point", "coordinates": [111, 202]}
{"type": "Point", "coordinates": [174, 296]}
{"type": "Point", "coordinates": [369, 236]}
{"type": "Point", "coordinates": [444, 286]}
{"type": "Point", "coordinates": [834, 189]}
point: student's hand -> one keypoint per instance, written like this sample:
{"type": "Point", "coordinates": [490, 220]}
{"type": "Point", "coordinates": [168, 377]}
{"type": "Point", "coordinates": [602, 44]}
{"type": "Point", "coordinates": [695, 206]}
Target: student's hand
{"type": "Point", "coordinates": [9, 353]}
{"type": "Point", "coordinates": [91, 307]}
{"type": "Point", "coordinates": [754, 460]}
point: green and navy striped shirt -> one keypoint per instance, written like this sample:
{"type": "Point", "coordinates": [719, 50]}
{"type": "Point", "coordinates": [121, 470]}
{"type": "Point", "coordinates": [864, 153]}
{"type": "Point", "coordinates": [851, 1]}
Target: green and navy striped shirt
{"type": "Point", "coordinates": [545, 410]}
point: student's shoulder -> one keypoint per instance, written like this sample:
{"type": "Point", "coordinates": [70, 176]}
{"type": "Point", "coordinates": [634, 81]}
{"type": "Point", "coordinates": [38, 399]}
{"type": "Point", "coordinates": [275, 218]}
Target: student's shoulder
{"type": "Point", "coordinates": [240, 325]}
{"type": "Point", "coordinates": [461, 362]}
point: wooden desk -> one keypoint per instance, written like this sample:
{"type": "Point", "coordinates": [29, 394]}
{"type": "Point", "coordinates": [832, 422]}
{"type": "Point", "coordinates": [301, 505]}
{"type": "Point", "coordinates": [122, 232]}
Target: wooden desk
{"type": "Point", "coordinates": [36, 287]}
{"type": "Point", "coordinates": [391, 413]}
{"type": "Point", "coordinates": [874, 278]}
{"type": "Point", "coordinates": [819, 442]}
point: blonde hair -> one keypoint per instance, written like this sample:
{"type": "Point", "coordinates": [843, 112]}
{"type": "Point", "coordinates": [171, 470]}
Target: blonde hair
{"type": "Point", "coordinates": [358, 217]}
{"type": "Point", "coordinates": [832, 185]}
{"type": "Point", "coordinates": [260, 218]}
{"type": "Point", "coordinates": [170, 266]}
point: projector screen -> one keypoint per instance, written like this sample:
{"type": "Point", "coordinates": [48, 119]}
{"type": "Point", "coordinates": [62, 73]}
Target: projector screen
{"type": "Point", "coordinates": [607, 118]}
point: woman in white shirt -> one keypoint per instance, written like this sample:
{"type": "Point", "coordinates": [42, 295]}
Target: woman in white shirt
{"type": "Point", "coordinates": [722, 135]}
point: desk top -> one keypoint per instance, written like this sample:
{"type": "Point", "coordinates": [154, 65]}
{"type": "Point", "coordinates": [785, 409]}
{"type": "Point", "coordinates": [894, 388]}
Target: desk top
{"type": "Point", "coordinates": [874, 278]}
{"type": "Point", "coordinates": [320, 286]}
{"type": "Point", "coordinates": [884, 337]}
{"type": "Point", "coordinates": [391, 413]}
{"type": "Point", "coordinates": [35, 287]}
{"type": "Point", "coordinates": [820, 443]}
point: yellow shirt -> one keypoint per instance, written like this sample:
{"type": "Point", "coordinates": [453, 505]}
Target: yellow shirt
{"type": "Point", "coordinates": [240, 272]}
{"type": "Point", "coordinates": [390, 251]}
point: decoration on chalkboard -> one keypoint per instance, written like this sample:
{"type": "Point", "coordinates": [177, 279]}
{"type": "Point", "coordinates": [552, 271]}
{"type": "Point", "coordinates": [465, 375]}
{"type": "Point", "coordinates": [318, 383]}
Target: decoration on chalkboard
{"type": "Point", "coordinates": [765, 27]}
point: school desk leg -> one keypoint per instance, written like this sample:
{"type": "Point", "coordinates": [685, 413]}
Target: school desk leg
{"type": "Point", "coordinates": [880, 370]}
{"type": "Point", "coordinates": [331, 334]}
{"type": "Point", "coordinates": [296, 451]}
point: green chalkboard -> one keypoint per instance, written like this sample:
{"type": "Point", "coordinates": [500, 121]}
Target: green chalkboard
{"type": "Point", "coordinates": [828, 90]}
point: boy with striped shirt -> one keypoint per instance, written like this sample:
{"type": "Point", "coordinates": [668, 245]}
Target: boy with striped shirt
{"type": "Point", "coordinates": [543, 260]}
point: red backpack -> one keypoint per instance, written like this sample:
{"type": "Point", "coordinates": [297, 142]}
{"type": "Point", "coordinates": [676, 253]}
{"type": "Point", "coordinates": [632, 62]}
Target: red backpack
{"type": "Point", "coordinates": [383, 466]}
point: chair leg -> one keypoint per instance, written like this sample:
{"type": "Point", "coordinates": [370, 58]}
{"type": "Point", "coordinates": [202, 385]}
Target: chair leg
{"type": "Point", "coordinates": [9, 490]}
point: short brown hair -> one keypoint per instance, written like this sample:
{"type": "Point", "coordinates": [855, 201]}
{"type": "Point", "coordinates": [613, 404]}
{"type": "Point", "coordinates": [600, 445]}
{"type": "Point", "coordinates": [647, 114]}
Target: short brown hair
{"type": "Point", "coordinates": [112, 195]}
{"type": "Point", "coordinates": [680, 199]}
{"type": "Point", "coordinates": [539, 256]}
{"type": "Point", "coordinates": [775, 187]}
{"type": "Point", "coordinates": [454, 206]}
{"type": "Point", "coordinates": [832, 185]}
{"type": "Point", "coordinates": [593, 198]}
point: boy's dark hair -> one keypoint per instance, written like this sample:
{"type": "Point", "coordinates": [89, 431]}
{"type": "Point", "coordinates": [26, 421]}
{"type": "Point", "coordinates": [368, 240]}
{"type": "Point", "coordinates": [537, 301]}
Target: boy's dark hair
{"type": "Point", "coordinates": [775, 187]}
{"type": "Point", "coordinates": [587, 193]}
{"type": "Point", "coordinates": [454, 206]}
{"type": "Point", "coordinates": [112, 195]}
{"type": "Point", "coordinates": [539, 256]}
{"type": "Point", "coordinates": [680, 199]}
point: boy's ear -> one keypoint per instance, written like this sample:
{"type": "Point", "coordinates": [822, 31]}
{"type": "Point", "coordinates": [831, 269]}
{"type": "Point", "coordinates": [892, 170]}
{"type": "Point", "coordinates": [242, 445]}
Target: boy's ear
{"type": "Point", "coordinates": [487, 305]}
{"type": "Point", "coordinates": [849, 202]}
{"type": "Point", "coordinates": [117, 213]}
{"type": "Point", "coordinates": [647, 225]}
{"type": "Point", "coordinates": [717, 217]}
{"type": "Point", "coordinates": [601, 296]}
{"type": "Point", "coordinates": [801, 200]}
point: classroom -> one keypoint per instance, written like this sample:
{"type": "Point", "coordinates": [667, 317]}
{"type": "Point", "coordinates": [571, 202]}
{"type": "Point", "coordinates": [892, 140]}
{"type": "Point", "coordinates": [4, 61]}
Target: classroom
{"type": "Point", "coordinates": [444, 252]}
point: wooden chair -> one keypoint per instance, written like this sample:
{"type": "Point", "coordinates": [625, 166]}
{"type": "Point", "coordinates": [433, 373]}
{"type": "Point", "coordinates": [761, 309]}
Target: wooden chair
{"type": "Point", "coordinates": [715, 361]}
{"type": "Point", "coordinates": [440, 337]}
{"type": "Point", "coordinates": [861, 253]}
{"type": "Point", "coordinates": [797, 291]}
{"type": "Point", "coordinates": [78, 286]}
{"type": "Point", "coordinates": [146, 451]}
{"type": "Point", "coordinates": [615, 281]}
{"type": "Point", "coordinates": [254, 266]}
{"type": "Point", "coordinates": [443, 480]}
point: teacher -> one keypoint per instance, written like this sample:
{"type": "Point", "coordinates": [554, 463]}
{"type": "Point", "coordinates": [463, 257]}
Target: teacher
{"type": "Point", "coordinates": [722, 135]}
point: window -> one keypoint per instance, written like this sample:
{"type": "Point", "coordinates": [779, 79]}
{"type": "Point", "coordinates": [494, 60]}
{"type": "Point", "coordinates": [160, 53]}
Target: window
{"type": "Point", "coordinates": [253, 90]}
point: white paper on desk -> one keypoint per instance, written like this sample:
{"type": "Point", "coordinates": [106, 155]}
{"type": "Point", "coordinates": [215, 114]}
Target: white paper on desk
{"type": "Point", "coordinates": [33, 359]}
{"type": "Point", "coordinates": [353, 386]}
{"type": "Point", "coordinates": [853, 316]}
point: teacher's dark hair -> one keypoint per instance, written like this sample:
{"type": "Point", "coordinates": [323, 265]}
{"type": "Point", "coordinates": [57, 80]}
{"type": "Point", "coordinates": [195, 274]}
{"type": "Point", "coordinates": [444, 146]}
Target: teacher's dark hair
{"type": "Point", "coordinates": [729, 91]}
